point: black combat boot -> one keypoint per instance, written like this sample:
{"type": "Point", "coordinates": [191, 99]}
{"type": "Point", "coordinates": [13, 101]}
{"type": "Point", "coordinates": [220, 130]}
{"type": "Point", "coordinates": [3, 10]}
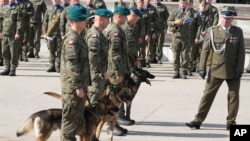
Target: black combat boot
{"type": "Point", "coordinates": [176, 75]}
{"type": "Point", "coordinates": [125, 121]}
{"type": "Point", "coordinates": [1, 62]}
{"type": "Point", "coordinates": [12, 73]}
{"type": "Point", "coordinates": [184, 75]}
{"type": "Point", "coordinates": [51, 69]}
{"type": "Point", "coordinates": [189, 72]}
{"type": "Point", "coordinates": [119, 131]}
{"type": "Point", "coordinates": [148, 65]}
{"type": "Point", "coordinates": [31, 54]}
{"type": "Point", "coordinates": [5, 72]}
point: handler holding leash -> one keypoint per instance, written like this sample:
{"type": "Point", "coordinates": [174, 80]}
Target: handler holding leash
{"type": "Point", "coordinates": [74, 74]}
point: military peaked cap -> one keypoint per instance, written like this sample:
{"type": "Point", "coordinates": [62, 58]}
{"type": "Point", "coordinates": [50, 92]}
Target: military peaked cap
{"type": "Point", "coordinates": [78, 13]}
{"type": "Point", "coordinates": [228, 12]}
{"type": "Point", "coordinates": [103, 13]}
{"type": "Point", "coordinates": [122, 10]}
{"type": "Point", "coordinates": [136, 11]}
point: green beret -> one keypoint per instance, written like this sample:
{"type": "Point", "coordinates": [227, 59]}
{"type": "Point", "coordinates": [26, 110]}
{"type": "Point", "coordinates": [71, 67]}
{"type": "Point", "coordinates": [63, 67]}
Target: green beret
{"type": "Point", "coordinates": [103, 12]}
{"type": "Point", "coordinates": [228, 12]}
{"type": "Point", "coordinates": [122, 10]}
{"type": "Point", "coordinates": [78, 13]}
{"type": "Point", "coordinates": [136, 11]}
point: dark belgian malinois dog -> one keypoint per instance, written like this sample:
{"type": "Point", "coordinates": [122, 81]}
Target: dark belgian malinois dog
{"type": "Point", "coordinates": [138, 76]}
{"type": "Point", "coordinates": [46, 121]}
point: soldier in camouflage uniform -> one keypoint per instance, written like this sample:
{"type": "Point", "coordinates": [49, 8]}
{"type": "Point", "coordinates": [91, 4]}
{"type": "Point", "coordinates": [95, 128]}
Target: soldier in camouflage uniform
{"type": "Point", "coordinates": [179, 39]}
{"type": "Point", "coordinates": [140, 29]}
{"type": "Point", "coordinates": [11, 30]}
{"type": "Point", "coordinates": [132, 53]}
{"type": "Point", "coordinates": [74, 74]}
{"type": "Point", "coordinates": [163, 14]}
{"type": "Point", "coordinates": [117, 56]}
{"type": "Point", "coordinates": [54, 45]}
{"type": "Point", "coordinates": [213, 14]}
{"type": "Point", "coordinates": [205, 20]}
{"type": "Point", "coordinates": [193, 34]}
{"type": "Point", "coordinates": [98, 47]}
{"type": "Point", "coordinates": [27, 10]}
{"type": "Point", "coordinates": [36, 28]}
{"type": "Point", "coordinates": [2, 3]}
{"type": "Point", "coordinates": [151, 32]}
{"type": "Point", "coordinates": [64, 25]}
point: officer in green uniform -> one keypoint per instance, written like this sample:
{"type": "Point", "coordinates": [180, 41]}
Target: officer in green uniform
{"type": "Point", "coordinates": [151, 30]}
{"type": "Point", "coordinates": [11, 31]}
{"type": "Point", "coordinates": [226, 42]}
{"type": "Point", "coordinates": [35, 31]}
{"type": "Point", "coordinates": [193, 34]}
{"type": "Point", "coordinates": [74, 74]}
{"type": "Point", "coordinates": [50, 23]}
{"type": "Point", "coordinates": [98, 47]}
{"type": "Point", "coordinates": [117, 55]}
{"type": "Point", "coordinates": [27, 10]}
{"type": "Point", "coordinates": [163, 14]}
{"type": "Point", "coordinates": [179, 26]}
{"type": "Point", "coordinates": [133, 61]}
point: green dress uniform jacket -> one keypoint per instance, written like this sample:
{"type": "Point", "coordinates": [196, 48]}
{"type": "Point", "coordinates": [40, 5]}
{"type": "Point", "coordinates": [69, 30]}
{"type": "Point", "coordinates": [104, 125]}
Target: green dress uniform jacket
{"type": "Point", "coordinates": [225, 64]}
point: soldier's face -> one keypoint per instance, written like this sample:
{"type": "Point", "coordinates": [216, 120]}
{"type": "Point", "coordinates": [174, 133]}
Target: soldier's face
{"type": "Point", "coordinates": [146, 2]}
{"type": "Point", "coordinates": [190, 5]}
{"type": "Point", "coordinates": [11, 1]}
{"type": "Point", "coordinates": [182, 4]}
{"type": "Point", "coordinates": [55, 1]}
{"type": "Point", "coordinates": [226, 22]}
{"type": "Point", "coordinates": [105, 22]}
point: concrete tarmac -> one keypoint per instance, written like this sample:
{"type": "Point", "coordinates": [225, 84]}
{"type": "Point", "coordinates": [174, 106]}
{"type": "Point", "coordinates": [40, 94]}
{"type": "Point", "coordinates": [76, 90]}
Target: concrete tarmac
{"type": "Point", "coordinates": [160, 110]}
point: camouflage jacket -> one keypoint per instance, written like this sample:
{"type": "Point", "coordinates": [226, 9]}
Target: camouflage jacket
{"type": "Point", "coordinates": [163, 15]}
{"type": "Point", "coordinates": [117, 53]}
{"type": "Point", "coordinates": [194, 25]}
{"type": "Point", "coordinates": [98, 48]}
{"type": "Point", "coordinates": [131, 44]}
{"type": "Point", "coordinates": [213, 15]}
{"type": "Point", "coordinates": [39, 10]}
{"type": "Point", "coordinates": [27, 10]}
{"type": "Point", "coordinates": [12, 23]}
{"type": "Point", "coordinates": [182, 30]}
{"type": "Point", "coordinates": [151, 17]}
{"type": "Point", "coordinates": [140, 26]}
{"type": "Point", "coordinates": [49, 20]}
{"type": "Point", "coordinates": [74, 63]}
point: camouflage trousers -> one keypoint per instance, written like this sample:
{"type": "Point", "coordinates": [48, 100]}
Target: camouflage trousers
{"type": "Point", "coordinates": [55, 51]}
{"type": "Point", "coordinates": [10, 50]}
{"type": "Point", "coordinates": [180, 53]}
{"type": "Point", "coordinates": [151, 50]}
{"type": "Point", "coordinates": [35, 32]}
{"type": "Point", "coordinates": [97, 87]}
{"type": "Point", "coordinates": [24, 42]}
{"type": "Point", "coordinates": [72, 116]}
{"type": "Point", "coordinates": [161, 38]}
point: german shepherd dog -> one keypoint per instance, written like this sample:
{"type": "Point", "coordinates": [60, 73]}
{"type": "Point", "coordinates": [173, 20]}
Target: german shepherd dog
{"type": "Point", "coordinates": [138, 76]}
{"type": "Point", "coordinates": [46, 121]}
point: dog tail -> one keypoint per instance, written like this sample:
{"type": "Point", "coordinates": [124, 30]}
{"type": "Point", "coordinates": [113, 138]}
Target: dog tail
{"type": "Point", "coordinates": [53, 94]}
{"type": "Point", "coordinates": [26, 127]}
